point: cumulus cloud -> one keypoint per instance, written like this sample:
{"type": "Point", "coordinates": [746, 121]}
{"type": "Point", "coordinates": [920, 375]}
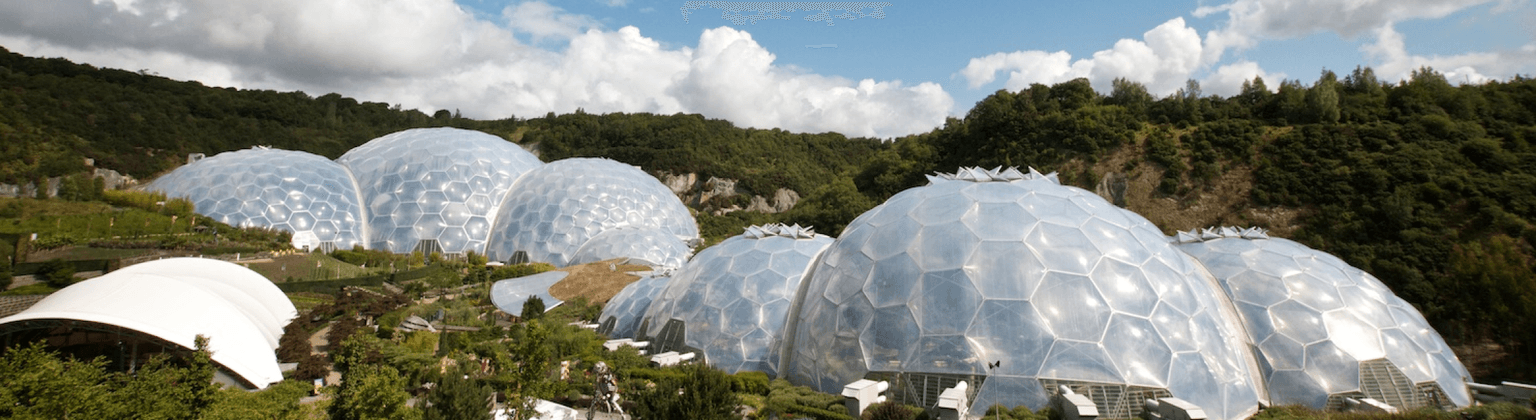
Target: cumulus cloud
{"type": "Point", "coordinates": [431, 54]}
{"type": "Point", "coordinates": [1395, 63]}
{"type": "Point", "coordinates": [1228, 80]}
{"type": "Point", "coordinates": [1249, 21]}
{"type": "Point", "coordinates": [543, 21]}
{"type": "Point", "coordinates": [1163, 60]}
{"type": "Point", "coordinates": [1172, 53]}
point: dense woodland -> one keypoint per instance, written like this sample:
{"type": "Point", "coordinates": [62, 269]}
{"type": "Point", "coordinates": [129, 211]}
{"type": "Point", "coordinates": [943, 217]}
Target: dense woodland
{"type": "Point", "coordinates": [1425, 184]}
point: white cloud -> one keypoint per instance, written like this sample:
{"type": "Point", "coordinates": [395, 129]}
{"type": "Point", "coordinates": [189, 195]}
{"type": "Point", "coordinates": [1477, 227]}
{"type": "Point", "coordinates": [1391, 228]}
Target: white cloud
{"type": "Point", "coordinates": [431, 54]}
{"type": "Point", "coordinates": [1163, 60]}
{"type": "Point", "coordinates": [1395, 63]}
{"type": "Point", "coordinates": [542, 21]}
{"type": "Point", "coordinates": [1228, 80]}
{"type": "Point", "coordinates": [1249, 21]}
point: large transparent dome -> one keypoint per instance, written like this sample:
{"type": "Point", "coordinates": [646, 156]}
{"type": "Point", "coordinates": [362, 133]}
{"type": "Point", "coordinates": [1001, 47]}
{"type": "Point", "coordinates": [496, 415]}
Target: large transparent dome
{"type": "Point", "coordinates": [434, 188]}
{"type": "Point", "coordinates": [1326, 330]}
{"type": "Point", "coordinates": [299, 192]}
{"type": "Point", "coordinates": [731, 301]}
{"type": "Point", "coordinates": [1052, 282]}
{"type": "Point", "coordinates": [554, 210]}
{"type": "Point", "coordinates": [653, 246]}
{"type": "Point", "coordinates": [621, 315]}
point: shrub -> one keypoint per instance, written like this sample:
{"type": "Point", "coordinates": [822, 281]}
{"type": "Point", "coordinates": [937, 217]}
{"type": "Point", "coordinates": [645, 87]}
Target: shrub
{"type": "Point", "coordinates": [58, 273]}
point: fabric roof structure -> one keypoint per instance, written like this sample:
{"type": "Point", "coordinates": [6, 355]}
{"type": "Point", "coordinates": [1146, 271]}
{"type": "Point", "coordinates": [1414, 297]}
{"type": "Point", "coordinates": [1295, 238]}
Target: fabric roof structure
{"type": "Point", "coordinates": [943, 282]}
{"type": "Point", "coordinates": [557, 208]}
{"type": "Point", "coordinates": [438, 185]}
{"type": "Point", "coordinates": [1326, 330]}
{"type": "Point", "coordinates": [176, 300]}
{"type": "Point", "coordinates": [510, 294]}
{"type": "Point", "coordinates": [303, 193]}
{"type": "Point", "coordinates": [732, 300]}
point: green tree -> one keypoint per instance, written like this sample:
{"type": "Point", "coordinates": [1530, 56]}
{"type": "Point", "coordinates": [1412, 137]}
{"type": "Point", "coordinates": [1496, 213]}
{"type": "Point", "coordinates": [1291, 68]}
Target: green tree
{"type": "Point", "coordinates": [458, 397]}
{"type": "Point", "coordinates": [701, 393]}
{"type": "Point", "coordinates": [831, 207]}
{"type": "Point", "coordinates": [533, 308]}
{"type": "Point", "coordinates": [278, 402]}
{"type": "Point", "coordinates": [1323, 99]}
{"type": "Point", "coordinates": [372, 392]}
{"type": "Point", "coordinates": [58, 273]}
{"type": "Point", "coordinates": [38, 384]}
{"type": "Point", "coordinates": [528, 366]}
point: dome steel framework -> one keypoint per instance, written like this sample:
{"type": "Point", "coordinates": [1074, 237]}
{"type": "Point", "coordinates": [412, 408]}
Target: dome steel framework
{"type": "Point", "coordinates": [434, 189]}
{"type": "Point", "coordinates": [303, 193]}
{"type": "Point", "coordinates": [1050, 284]}
{"type": "Point", "coordinates": [733, 299]}
{"type": "Point", "coordinates": [1326, 330]}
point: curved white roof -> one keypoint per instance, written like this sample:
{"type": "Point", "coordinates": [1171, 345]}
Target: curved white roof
{"type": "Point", "coordinates": [173, 301]}
{"type": "Point", "coordinates": [253, 294]}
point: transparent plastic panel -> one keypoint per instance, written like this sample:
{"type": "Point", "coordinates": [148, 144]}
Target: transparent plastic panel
{"type": "Point", "coordinates": [1009, 331]}
{"type": "Point", "coordinates": [279, 189]}
{"type": "Point", "coordinates": [652, 246]}
{"type": "Point", "coordinates": [539, 214]}
{"type": "Point", "coordinates": [411, 173]}
{"type": "Point", "coordinates": [629, 305]}
{"type": "Point", "coordinates": [1338, 313]}
{"type": "Point", "coordinates": [1072, 360]}
{"type": "Point", "coordinates": [1296, 387]}
{"type": "Point", "coordinates": [1335, 370]}
{"type": "Point", "coordinates": [1025, 272]}
{"type": "Point", "coordinates": [1143, 357]}
{"type": "Point", "coordinates": [734, 297]}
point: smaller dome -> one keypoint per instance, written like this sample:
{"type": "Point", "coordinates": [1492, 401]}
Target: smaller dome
{"type": "Point", "coordinates": [303, 193]}
{"type": "Point", "coordinates": [621, 316]}
{"type": "Point", "coordinates": [1321, 326]}
{"type": "Point", "coordinates": [555, 209]}
{"type": "Point", "coordinates": [734, 298]}
{"type": "Point", "coordinates": [653, 246]}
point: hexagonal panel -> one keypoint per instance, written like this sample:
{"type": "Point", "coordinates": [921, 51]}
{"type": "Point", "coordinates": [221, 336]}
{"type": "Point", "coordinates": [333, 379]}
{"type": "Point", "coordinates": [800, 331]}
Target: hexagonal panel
{"type": "Point", "coordinates": [552, 211]}
{"type": "Point", "coordinates": [272, 188]}
{"type": "Point", "coordinates": [411, 173]}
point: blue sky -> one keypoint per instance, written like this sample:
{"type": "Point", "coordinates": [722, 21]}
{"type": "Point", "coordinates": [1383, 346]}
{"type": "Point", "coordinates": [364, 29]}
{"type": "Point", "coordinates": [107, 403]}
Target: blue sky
{"type": "Point", "coordinates": [885, 77]}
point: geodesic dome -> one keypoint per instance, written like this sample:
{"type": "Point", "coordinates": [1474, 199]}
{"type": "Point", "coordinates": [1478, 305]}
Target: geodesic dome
{"type": "Point", "coordinates": [303, 193]}
{"type": "Point", "coordinates": [621, 315]}
{"type": "Point", "coordinates": [731, 301]}
{"type": "Point", "coordinates": [434, 188]}
{"type": "Point", "coordinates": [654, 246]}
{"type": "Point", "coordinates": [1326, 330]}
{"type": "Point", "coordinates": [555, 209]}
{"type": "Point", "coordinates": [1057, 285]}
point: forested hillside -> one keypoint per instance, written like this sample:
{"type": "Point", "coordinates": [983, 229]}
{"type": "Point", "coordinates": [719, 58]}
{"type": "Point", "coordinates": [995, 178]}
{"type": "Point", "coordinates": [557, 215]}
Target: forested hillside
{"type": "Point", "coordinates": [1425, 184]}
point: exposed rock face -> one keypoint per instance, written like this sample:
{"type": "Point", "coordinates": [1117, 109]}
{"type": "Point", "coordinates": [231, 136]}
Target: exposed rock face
{"type": "Point", "coordinates": [783, 200]}
{"type": "Point", "coordinates": [680, 184]}
{"type": "Point", "coordinates": [714, 195]}
{"type": "Point", "coordinates": [720, 187]}
{"type": "Point", "coordinates": [113, 181]}
{"type": "Point", "coordinates": [1112, 188]}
